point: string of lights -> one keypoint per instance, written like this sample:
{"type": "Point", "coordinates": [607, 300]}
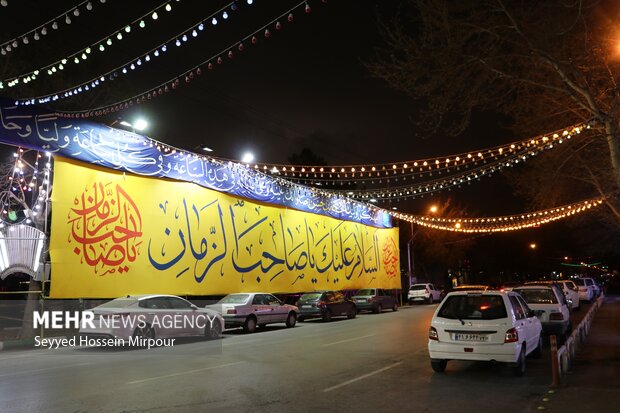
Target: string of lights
{"type": "Point", "coordinates": [26, 183]}
{"type": "Point", "coordinates": [42, 30]}
{"type": "Point", "coordinates": [501, 223]}
{"type": "Point", "coordinates": [419, 167]}
{"type": "Point", "coordinates": [173, 83]}
{"type": "Point", "coordinates": [136, 63]}
{"type": "Point", "coordinates": [81, 55]}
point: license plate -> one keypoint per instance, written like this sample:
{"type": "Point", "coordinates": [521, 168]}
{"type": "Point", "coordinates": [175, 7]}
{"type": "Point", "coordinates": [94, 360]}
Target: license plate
{"type": "Point", "coordinates": [306, 306]}
{"type": "Point", "coordinates": [470, 337]}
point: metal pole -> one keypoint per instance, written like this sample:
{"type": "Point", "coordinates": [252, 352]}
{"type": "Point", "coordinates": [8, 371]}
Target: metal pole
{"type": "Point", "coordinates": [555, 365]}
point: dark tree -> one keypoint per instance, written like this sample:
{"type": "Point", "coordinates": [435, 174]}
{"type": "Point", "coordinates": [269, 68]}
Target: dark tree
{"type": "Point", "coordinates": [547, 64]}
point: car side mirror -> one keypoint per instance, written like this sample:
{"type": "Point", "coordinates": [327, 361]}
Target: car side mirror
{"type": "Point", "coordinates": [194, 307]}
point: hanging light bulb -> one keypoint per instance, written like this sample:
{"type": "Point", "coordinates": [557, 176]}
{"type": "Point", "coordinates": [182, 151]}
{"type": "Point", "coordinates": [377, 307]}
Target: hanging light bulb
{"type": "Point", "coordinates": [76, 12]}
{"type": "Point", "coordinates": [67, 19]}
{"type": "Point", "coordinates": [154, 15]}
{"type": "Point", "coordinates": [168, 7]}
{"type": "Point", "coordinates": [142, 24]}
{"type": "Point", "coordinates": [89, 6]}
{"type": "Point", "coordinates": [55, 26]}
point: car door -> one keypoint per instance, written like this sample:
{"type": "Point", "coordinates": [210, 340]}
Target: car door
{"type": "Point", "coordinates": [521, 323]}
{"type": "Point", "coordinates": [261, 309]}
{"type": "Point", "coordinates": [531, 324]}
{"type": "Point", "coordinates": [278, 311]}
{"type": "Point", "coordinates": [186, 323]}
{"type": "Point", "coordinates": [158, 314]}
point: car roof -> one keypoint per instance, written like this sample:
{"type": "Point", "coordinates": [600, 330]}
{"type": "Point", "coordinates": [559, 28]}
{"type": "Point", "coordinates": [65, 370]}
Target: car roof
{"type": "Point", "coordinates": [533, 287]}
{"type": "Point", "coordinates": [145, 296]}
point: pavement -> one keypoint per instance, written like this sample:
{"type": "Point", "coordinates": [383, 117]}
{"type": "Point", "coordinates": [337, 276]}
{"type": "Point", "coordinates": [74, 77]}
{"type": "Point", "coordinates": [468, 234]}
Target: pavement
{"type": "Point", "coordinates": [593, 381]}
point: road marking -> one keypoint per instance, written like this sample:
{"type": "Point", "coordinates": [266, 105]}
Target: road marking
{"type": "Point", "coordinates": [45, 369]}
{"type": "Point", "coordinates": [185, 372]}
{"type": "Point", "coordinates": [372, 373]}
{"type": "Point", "coordinates": [347, 340]}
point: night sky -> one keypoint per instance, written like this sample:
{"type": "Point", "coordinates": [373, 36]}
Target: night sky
{"type": "Point", "coordinates": [305, 86]}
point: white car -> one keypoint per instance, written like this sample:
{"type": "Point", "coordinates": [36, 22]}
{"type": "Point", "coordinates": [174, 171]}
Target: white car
{"type": "Point", "coordinates": [596, 289]}
{"type": "Point", "coordinates": [569, 289]}
{"type": "Point", "coordinates": [151, 316]}
{"type": "Point", "coordinates": [424, 293]}
{"type": "Point", "coordinates": [586, 289]}
{"type": "Point", "coordinates": [484, 326]}
{"type": "Point", "coordinates": [249, 310]}
{"type": "Point", "coordinates": [553, 311]}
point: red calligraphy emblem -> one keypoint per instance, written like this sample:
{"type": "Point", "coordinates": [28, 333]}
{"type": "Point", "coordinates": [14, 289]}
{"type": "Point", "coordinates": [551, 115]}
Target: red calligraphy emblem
{"type": "Point", "coordinates": [390, 258]}
{"type": "Point", "coordinates": [106, 225]}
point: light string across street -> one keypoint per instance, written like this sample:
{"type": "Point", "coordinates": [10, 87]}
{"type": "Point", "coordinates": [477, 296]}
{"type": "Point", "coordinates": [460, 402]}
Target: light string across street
{"type": "Point", "coordinates": [135, 63]}
{"type": "Point", "coordinates": [174, 82]}
{"type": "Point", "coordinates": [42, 29]}
{"type": "Point", "coordinates": [81, 55]}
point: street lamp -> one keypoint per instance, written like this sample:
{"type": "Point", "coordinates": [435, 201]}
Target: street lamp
{"type": "Point", "coordinates": [247, 157]}
{"type": "Point", "coordinates": [204, 148]}
{"type": "Point", "coordinates": [433, 209]}
{"type": "Point", "coordinates": [533, 246]}
{"type": "Point", "coordinates": [139, 124]}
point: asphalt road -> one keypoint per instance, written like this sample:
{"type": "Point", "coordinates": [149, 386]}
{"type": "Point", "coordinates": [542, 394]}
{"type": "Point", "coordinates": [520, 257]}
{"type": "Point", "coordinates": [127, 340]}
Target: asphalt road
{"type": "Point", "coordinates": [371, 363]}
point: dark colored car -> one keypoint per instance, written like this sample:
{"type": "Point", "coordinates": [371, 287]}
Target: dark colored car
{"type": "Point", "coordinates": [375, 300]}
{"type": "Point", "coordinates": [325, 305]}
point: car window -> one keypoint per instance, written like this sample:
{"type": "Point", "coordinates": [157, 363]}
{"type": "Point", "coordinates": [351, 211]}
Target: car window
{"type": "Point", "coordinates": [310, 297]}
{"type": "Point", "coordinates": [156, 303]}
{"type": "Point", "coordinates": [178, 303]}
{"type": "Point", "coordinates": [119, 303]}
{"type": "Point", "coordinates": [579, 281]}
{"type": "Point", "coordinates": [271, 300]}
{"type": "Point", "coordinates": [473, 307]}
{"type": "Point", "coordinates": [570, 284]}
{"type": "Point", "coordinates": [537, 296]}
{"type": "Point", "coordinates": [517, 308]}
{"type": "Point", "coordinates": [235, 299]}
{"type": "Point", "coordinates": [366, 291]}
{"type": "Point", "coordinates": [431, 286]}
{"type": "Point", "coordinates": [259, 299]}
{"type": "Point", "coordinates": [526, 308]}
{"type": "Point", "coordinates": [588, 281]}
{"type": "Point", "coordinates": [418, 287]}
{"type": "Point", "coordinates": [338, 296]}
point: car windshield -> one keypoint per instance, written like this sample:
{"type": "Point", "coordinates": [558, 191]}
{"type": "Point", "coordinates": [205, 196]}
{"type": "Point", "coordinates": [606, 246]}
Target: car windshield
{"type": "Point", "coordinates": [473, 307]}
{"type": "Point", "coordinates": [537, 296]}
{"type": "Point", "coordinates": [235, 299]}
{"type": "Point", "coordinates": [368, 291]}
{"type": "Point", "coordinates": [418, 287]}
{"type": "Point", "coordinates": [580, 282]}
{"type": "Point", "coordinates": [310, 297]}
{"type": "Point", "coordinates": [119, 303]}
{"type": "Point", "coordinates": [570, 284]}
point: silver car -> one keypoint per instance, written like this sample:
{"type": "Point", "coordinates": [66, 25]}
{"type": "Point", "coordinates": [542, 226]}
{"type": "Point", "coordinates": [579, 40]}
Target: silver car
{"type": "Point", "coordinates": [249, 310]}
{"type": "Point", "coordinates": [151, 316]}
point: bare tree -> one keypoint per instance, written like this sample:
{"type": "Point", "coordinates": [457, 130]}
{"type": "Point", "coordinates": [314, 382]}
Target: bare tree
{"type": "Point", "coordinates": [547, 64]}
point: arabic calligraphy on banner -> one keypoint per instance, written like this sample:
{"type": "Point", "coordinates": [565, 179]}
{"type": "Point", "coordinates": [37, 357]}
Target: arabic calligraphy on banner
{"type": "Point", "coordinates": [86, 141]}
{"type": "Point", "coordinates": [115, 234]}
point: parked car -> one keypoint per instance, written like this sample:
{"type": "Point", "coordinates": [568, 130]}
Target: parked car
{"type": "Point", "coordinates": [493, 326]}
{"type": "Point", "coordinates": [153, 316]}
{"type": "Point", "coordinates": [568, 288]}
{"type": "Point", "coordinates": [586, 289]}
{"type": "Point", "coordinates": [596, 289]}
{"type": "Point", "coordinates": [325, 304]}
{"type": "Point", "coordinates": [553, 314]}
{"type": "Point", "coordinates": [424, 293]}
{"type": "Point", "coordinates": [375, 300]}
{"type": "Point", "coordinates": [249, 310]}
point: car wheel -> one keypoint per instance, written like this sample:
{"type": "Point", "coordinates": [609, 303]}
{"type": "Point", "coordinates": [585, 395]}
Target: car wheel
{"type": "Point", "coordinates": [327, 315]}
{"type": "Point", "coordinates": [538, 350]}
{"type": "Point", "coordinates": [351, 314]}
{"type": "Point", "coordinates": [214, 330]}
{"type": "Point", "coordinates": [146, 331]}
{"type": "Point", "coordinates": [291, 320]}
{"type": "Point", "coordinates": [439, 366]}
{"type": "Point", "coordinates": [250, 325]}
{"type": "Point", "coordinates": [377, 309]}
{"type": "Point", "coordinates": [519, 367]}
{"type": "Point", "coordinates": [395, 307]}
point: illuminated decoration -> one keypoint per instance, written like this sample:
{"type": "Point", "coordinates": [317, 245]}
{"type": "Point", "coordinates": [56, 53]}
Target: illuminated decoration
{"type": "Point", "coordinates": [20, 250]}
{"type": "Point", "coordinates": [410, 179]}
{"type": "Point", "coordinates": [501, 223]}
{"type": "Point", "coordinates": [101, 45]}
{"type": "Point", "coordinates": [119, 70]}
{"type": "Point", "coordinates": [42, 30]}
{"type": "Point", "coordinates": [175, 82]}
{"type": "Point", "coordinates": [24, 195]}
{"type": "Point", "coordinates": [101, 145]}
{"type": "Point", "coordinates": [115, 233]}
{"type": "Point", "coordinates": [437, 165]}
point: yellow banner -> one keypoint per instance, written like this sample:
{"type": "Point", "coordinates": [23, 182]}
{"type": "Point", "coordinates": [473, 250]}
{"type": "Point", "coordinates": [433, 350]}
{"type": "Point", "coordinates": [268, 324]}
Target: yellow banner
{"type": "Point", "coordinates": [114, 234]}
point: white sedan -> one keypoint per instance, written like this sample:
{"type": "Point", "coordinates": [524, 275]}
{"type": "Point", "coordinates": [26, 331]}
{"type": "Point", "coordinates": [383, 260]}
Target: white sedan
{"type": "Point", "coordinates": [151, 316]}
